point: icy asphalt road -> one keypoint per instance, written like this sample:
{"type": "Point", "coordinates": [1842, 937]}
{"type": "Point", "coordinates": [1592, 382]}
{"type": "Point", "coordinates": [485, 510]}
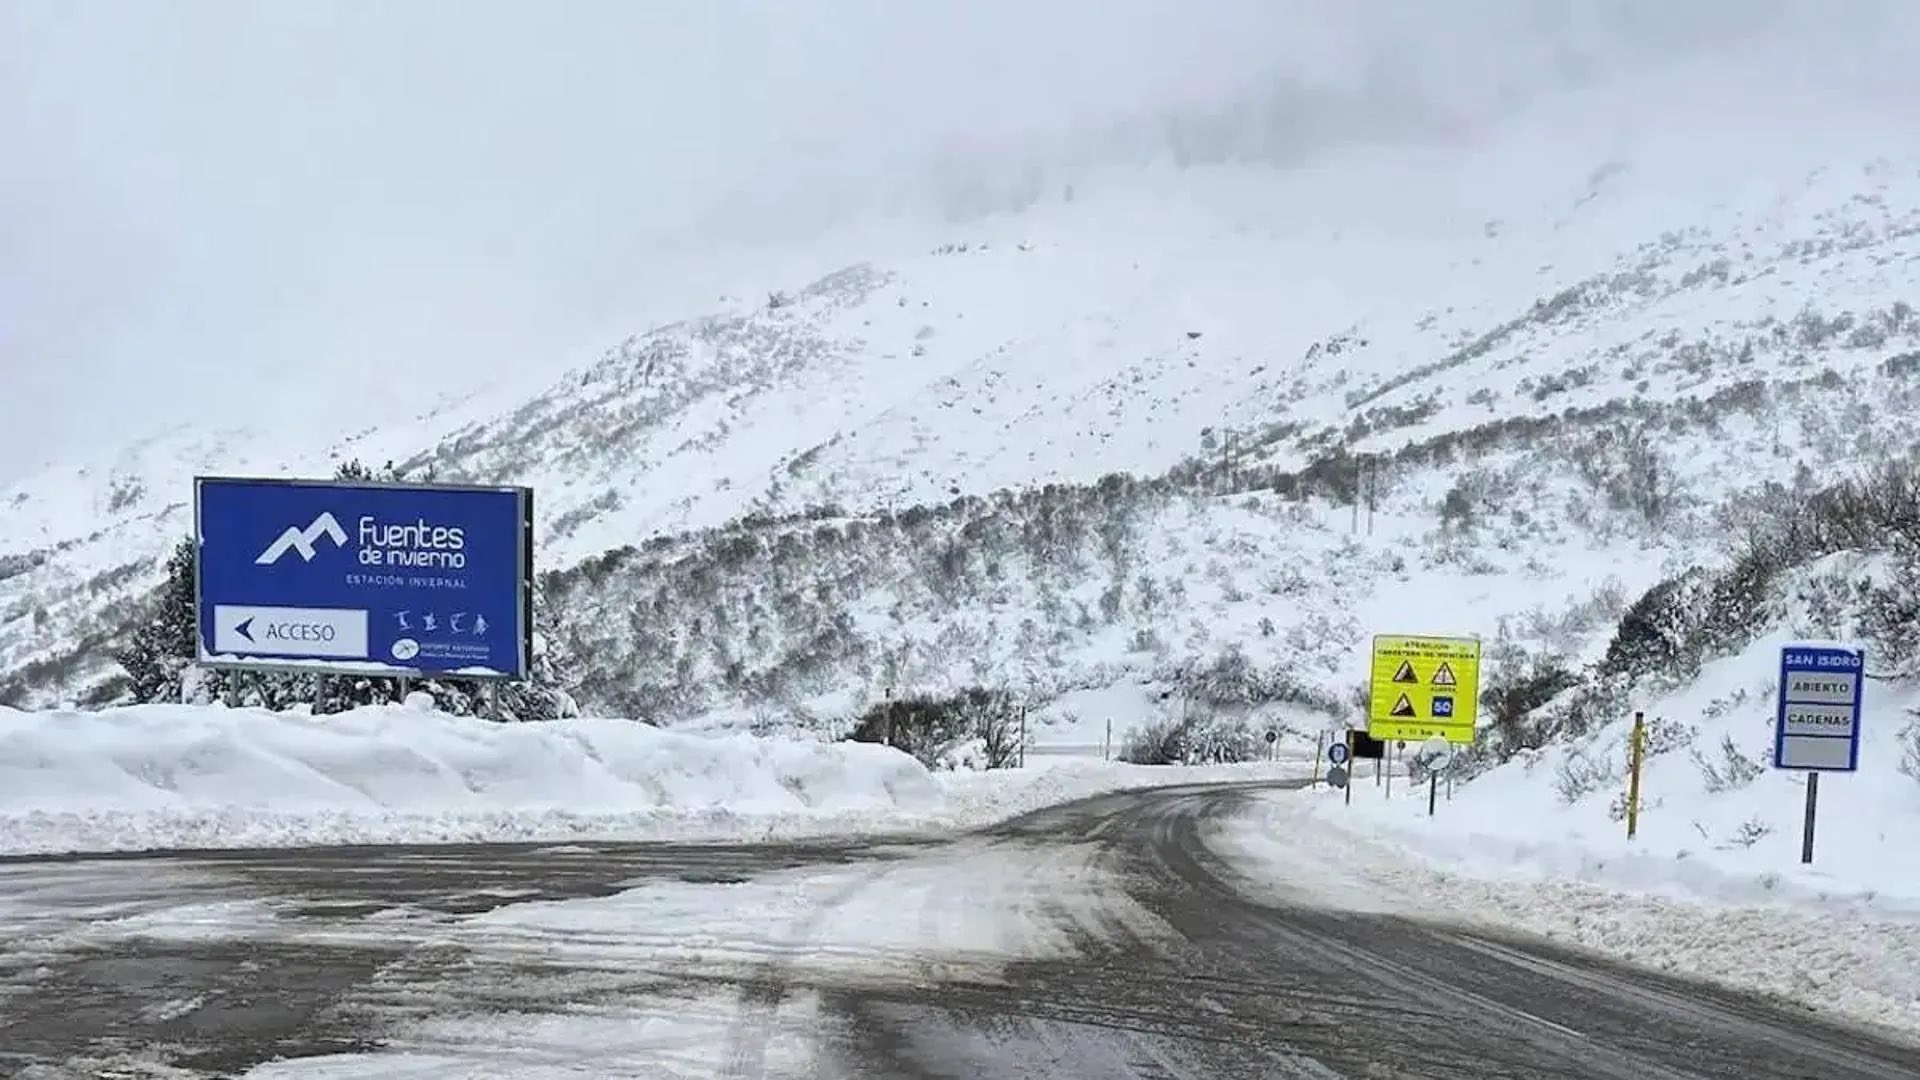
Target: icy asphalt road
{"type": "Point", "coordinates": [1098, 939]}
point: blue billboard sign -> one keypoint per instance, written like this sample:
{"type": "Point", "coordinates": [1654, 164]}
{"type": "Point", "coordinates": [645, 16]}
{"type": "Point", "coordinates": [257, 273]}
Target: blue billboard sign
{"type": "Point", "coordinates": [1817, 725]}
{"type": "Point", "coordinates": [364, 578]}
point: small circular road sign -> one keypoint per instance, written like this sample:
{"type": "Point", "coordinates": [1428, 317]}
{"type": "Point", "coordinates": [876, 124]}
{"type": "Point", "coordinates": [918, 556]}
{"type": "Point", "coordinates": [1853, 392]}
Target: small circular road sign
{"type": "Point", "coordinates": [1337, 753]}
{"type": "Point", "coordinates": [1401, 745]}
{"type": "Point", "coordinates": [1336, 777]}
{"type": "Point", "coordinates": [1272, 736]}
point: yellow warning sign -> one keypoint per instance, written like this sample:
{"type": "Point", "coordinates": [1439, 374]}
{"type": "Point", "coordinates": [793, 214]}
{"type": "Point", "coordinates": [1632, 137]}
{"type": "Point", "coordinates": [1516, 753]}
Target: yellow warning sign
{"type": "Point", "coordinates": [1424, 686]}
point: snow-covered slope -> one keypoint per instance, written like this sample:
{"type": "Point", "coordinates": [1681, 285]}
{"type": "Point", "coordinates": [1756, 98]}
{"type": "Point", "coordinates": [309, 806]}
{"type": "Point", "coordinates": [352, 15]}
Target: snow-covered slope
{"type": "Point", "coordinates": [1561, 344]}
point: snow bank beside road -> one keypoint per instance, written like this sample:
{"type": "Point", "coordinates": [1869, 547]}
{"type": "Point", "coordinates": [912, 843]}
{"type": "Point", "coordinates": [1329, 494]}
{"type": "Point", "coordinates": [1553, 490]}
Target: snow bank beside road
{"type": "Point", "coordinates": [163, 776]}
{"type": "Point", "coordinates": [183, 776]}
{"type": "Point", "coordinates": [1843, 959]}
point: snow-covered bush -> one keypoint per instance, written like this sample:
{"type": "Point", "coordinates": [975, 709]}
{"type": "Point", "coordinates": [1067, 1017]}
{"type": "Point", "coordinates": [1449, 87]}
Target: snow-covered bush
{"type": "Point", "coordinates": [1201, 738]}
{"type": "Point", "coordinates": [974, 728]}
{"type": "Point", "coordinates": [1910, 739]}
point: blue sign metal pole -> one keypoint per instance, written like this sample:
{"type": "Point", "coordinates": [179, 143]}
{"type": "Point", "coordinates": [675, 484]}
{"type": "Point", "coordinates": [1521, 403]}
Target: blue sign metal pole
{"type": "Point", "coordinates": [1806, 832]}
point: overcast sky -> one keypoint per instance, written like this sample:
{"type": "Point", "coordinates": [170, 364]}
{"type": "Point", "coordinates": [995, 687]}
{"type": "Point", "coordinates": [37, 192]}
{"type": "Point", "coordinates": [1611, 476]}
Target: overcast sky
{"type": "Point", "coordinates": [277, 213]}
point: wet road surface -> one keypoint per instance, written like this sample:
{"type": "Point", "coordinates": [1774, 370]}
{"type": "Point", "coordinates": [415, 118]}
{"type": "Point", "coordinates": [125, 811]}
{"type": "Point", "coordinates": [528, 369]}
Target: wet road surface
{"type": "Point", "coordinates": [1130, 950]}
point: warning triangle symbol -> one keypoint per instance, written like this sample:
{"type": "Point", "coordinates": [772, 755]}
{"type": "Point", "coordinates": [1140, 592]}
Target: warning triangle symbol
{"type": "Point", "coordinates": [1403, 707]}
{"type": "Point", "coordinates": [1405, 673]}
{"type": "Point", "coordinates": [1444, 677]}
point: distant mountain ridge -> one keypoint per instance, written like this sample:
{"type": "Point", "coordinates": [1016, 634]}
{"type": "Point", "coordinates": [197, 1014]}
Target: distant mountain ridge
{"type": "Point", "coordinates": [1603, 367]}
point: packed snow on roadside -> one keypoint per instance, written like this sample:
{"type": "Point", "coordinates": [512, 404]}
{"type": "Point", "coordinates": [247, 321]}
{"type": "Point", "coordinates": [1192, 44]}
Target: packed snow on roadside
{"type": "Point", "coordinates": [170, 776]}
{"type": "Point", "coordinates": [1711, 886]}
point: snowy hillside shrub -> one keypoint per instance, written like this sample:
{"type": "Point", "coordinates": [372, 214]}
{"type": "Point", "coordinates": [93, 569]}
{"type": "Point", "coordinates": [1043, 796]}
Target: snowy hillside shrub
{"type": "Point", "coordinates": [1631, 473]}
{"type": "Point", "coordinates": [1584, 771]}
{"type": "Point", "coordinates": [1518, 682]}
{"type": "Point", "coordinates": [977, 727]}
{"type": "Point", "coordinates": [1910, 750]}
{"type": "Point", "coordinates": [786, 611]}
{"type": "Point", "coordinates": [1201, 737]}
{"type": "Point", "coordinates": [1733, 770]}
{"type": "Point", "coordinates": [1687, 619]}
{"type": "Point", "coordinates": [1890, 615]}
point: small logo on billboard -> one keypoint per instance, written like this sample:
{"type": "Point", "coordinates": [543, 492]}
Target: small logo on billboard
{"type": "Point", "coordinates": [303, 540]}
{"type": "Point", "coordinates": [406, 649]}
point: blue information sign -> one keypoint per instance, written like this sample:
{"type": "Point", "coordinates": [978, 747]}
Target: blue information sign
{"type": "Point", "coordinates": [362, 578]}
{"type": "Point", "coordinates": [1817, 726]}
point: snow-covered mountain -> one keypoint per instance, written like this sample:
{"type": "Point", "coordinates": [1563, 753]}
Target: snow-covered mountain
{"type": "Point", "coordinates": [1234, 418]}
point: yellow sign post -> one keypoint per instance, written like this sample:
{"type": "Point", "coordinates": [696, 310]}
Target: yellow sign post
{"type": "Point", "coordinates": [1636, 756]}
{"type": "Point", "coordinates": [1422, 687]}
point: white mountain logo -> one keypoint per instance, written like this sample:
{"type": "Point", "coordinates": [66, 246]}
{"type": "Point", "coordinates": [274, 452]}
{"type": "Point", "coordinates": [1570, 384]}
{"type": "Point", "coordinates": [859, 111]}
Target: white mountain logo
{"type": "Point", "coordinates": [302, 540]}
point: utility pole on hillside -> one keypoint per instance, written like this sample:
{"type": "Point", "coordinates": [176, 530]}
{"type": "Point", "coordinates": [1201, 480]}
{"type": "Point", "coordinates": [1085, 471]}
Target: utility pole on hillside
{"type": "Point", "coordinates": [1373, 488]}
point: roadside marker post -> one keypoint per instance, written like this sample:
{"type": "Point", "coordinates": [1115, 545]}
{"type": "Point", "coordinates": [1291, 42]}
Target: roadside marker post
{"type": "Point", "coordinates": [1636, 757]}
{"type": "Point", "coordinates": [1348, 746]}
{"type": "Point", "coordinates": [1437, 753]}
{"type": "Point", "coordinates": [1817, 724]}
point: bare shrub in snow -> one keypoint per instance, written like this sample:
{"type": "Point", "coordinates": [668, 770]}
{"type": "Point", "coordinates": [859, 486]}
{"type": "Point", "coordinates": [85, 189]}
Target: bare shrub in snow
{"type": "Point", "coordinates": [1582, 772]}
{"type": "Point", "coordinates": [993, 719]}
{"type": "Point", "coordinates": [1157, 743]}
{"type": "Point", "coordinates": [1750, 832]}
{"type": "Point", "coordinates": [976, 727]}
{"type": "Point", "coordinates": [1627, 468]}
{"type": "Point", "coordinates": [1202, 737]}
{"type": "Point", "coordinates": [1664, 736]}
{"type": "Point", "coordinates": [1910, 745]}
{"type": "Point", "coordinates": [1517, 682]}
{"type": "Point", "coordinates": [1215, 740]}
{"type": "Point", "coordinates": [1890, 616]}
{"type": "Point", "coordinates": [1733, 770]}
